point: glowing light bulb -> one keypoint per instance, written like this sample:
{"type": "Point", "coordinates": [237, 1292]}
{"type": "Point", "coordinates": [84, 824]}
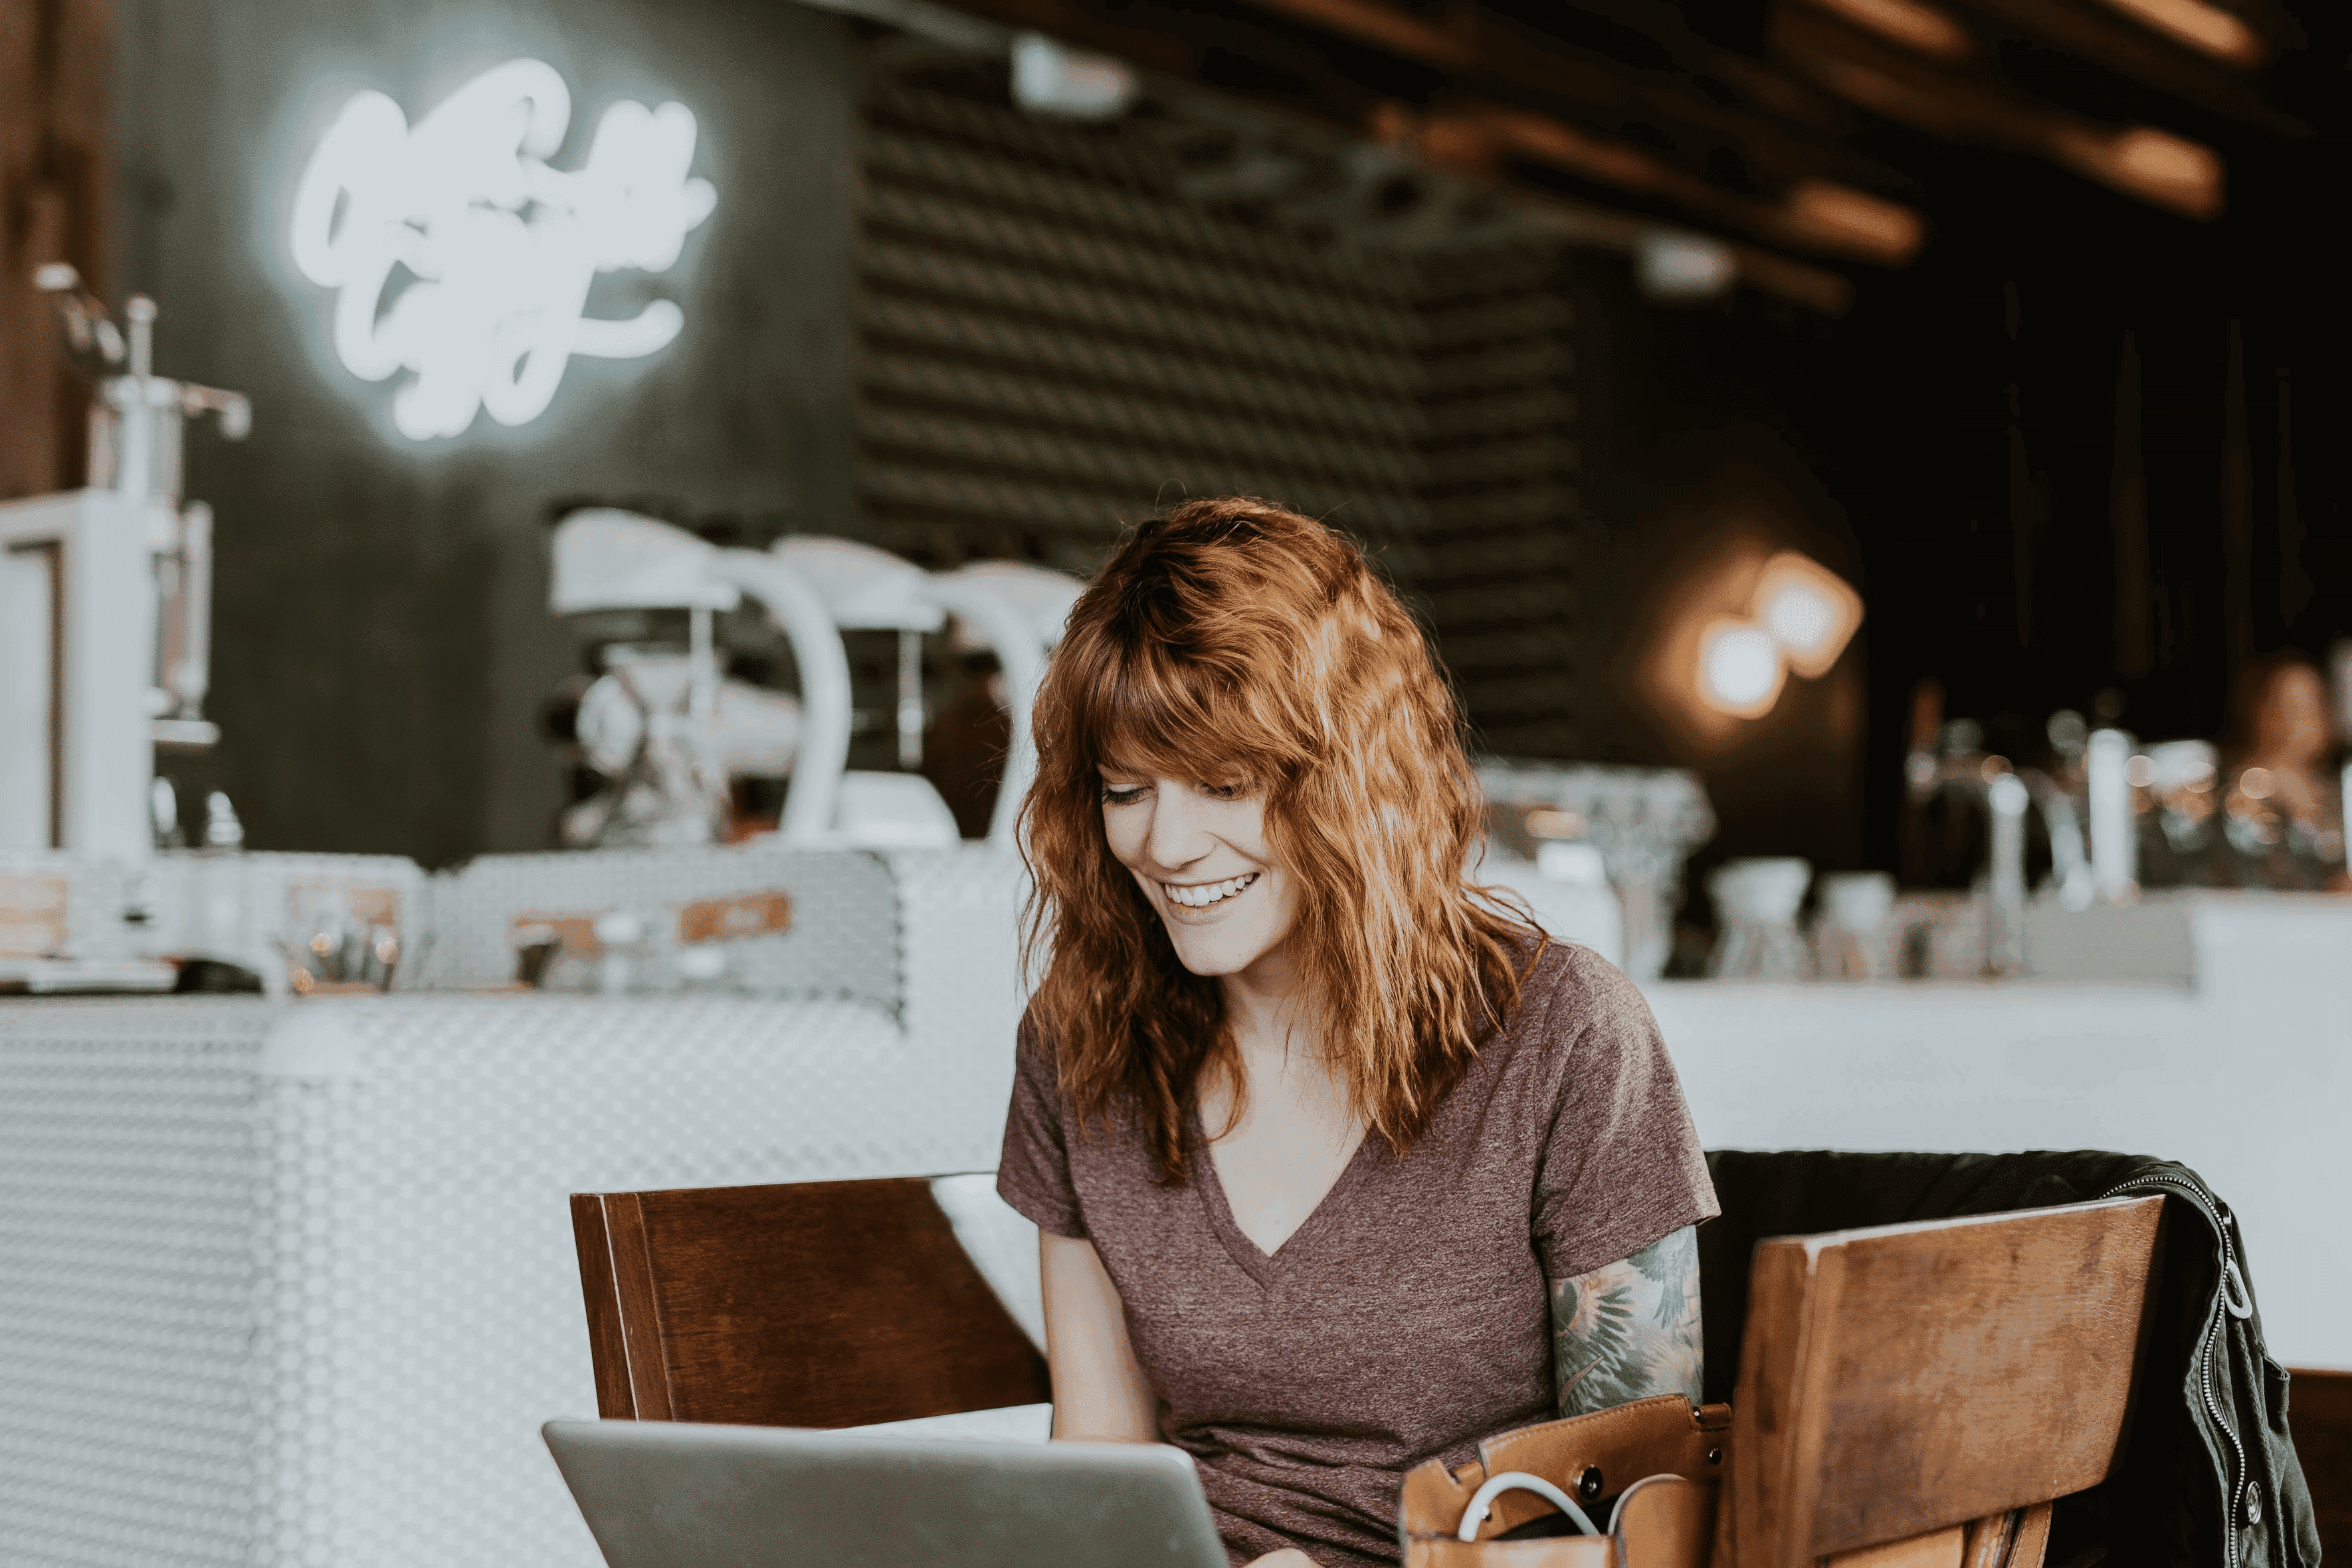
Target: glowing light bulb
{"type": "Point", "coordinates": [1810, 611]}
{"type": "Point", "coordinates": [1798, 617]}
{"type": "Point", "coordinates": [1740, 667]}
{"type": "Point", "coordinates": [495, 250]}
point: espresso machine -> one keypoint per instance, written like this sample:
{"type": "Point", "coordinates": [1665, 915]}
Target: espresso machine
{"type": "Point", "coordinates": [106, 602]}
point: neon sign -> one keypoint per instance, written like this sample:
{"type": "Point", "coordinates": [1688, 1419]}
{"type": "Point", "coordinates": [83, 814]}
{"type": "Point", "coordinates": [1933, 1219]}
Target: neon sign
{"type": "Point", "coordinates": [457, 254]}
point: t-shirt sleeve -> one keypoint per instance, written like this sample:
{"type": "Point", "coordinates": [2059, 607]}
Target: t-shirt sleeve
{"type": "Point", "coordinates": [1033, 1173]}
{"type": "Point", "coordinates": [1622, 1166]}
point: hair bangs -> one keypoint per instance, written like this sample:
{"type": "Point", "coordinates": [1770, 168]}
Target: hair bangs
{"type": "Point", "coordinates": [1155, 711]}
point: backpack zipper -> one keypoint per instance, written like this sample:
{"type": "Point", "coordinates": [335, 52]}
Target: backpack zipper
{"type": "Point", "coordinates": [2234, 1475]}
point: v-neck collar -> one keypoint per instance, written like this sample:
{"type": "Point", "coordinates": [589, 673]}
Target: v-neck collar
{"type": "Point", "coordinates": [1255, 1261]}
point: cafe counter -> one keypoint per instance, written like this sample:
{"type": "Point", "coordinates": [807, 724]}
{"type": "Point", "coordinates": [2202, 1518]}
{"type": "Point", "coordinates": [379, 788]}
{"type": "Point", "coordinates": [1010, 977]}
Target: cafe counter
{"type": "Point", "coordinates": [293, 1282]}
{"type": "Point", "coordinates": [2236, 1061]}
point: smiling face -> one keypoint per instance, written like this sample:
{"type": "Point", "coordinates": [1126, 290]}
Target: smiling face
{"type": "Point", "coordinates": [1199, 853]}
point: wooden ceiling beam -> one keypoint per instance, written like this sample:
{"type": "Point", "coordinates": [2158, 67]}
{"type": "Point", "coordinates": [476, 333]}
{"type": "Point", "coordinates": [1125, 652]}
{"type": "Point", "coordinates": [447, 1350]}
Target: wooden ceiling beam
{"type": "Point", "coordinates": [2193, 24]}
{"type": "Point", "coordinates": [1451, 47]}
{"type": "Point", "coordinates": [1815, 216]}
{"type": "Point", "coordinates": [1922, 29]}
{"type": "Point", "coordinates": [1814, 212]}
{"type": "Point", "coordinates": [1814, 289]}
{"type": "Point", "coordinates": [1798, 283]}
{"type": "Point", "coordinates": [1489, 53]}
{"type": "Point", "coordinates": [2091, 31]}
{"type": "Point", "coordinates": [2142, 162]}
{"type": "Point", "coordinates": [2087, 30]}
{"type": "Point", "coordinates": [1481, 138]}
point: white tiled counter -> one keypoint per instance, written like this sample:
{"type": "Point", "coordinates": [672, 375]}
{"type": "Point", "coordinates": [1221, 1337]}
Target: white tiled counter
{"type": "Point", "coordinates": [293, 1283]}
{"type": "Point", "coordinates": [2244, 1074]}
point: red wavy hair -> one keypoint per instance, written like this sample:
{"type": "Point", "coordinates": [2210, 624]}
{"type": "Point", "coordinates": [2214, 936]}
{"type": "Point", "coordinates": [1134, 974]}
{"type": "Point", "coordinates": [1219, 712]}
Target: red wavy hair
{"type": "Point", "coordinates": [1229, 641]}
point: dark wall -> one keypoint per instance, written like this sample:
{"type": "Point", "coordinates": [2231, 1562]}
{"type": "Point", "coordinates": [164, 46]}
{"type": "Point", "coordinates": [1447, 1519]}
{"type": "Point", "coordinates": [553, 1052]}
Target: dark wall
{"type": "Point", "coordinates": [1707, 436]}
{"type": "Point", "coordinates": [2100, 455]}
{"type": "Point", "coordinates": [2081, 454]}
{"type": "Point", "coordinates": [382, 641]}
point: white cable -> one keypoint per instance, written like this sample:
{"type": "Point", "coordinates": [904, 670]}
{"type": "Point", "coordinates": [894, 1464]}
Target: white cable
{"type": "Point", "coordinates": [1519, 1480]}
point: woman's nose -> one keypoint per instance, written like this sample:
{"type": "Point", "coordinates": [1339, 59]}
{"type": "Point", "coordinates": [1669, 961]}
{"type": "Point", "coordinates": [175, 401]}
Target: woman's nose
{"type": "Point", "coordinates": [1178, 834]}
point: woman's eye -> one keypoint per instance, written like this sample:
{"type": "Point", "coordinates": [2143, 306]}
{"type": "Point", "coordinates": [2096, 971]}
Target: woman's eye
{"type": "Point", "coordinates": [1121, 794]}
{"type": "Point", "coordinates": [1225, 791]}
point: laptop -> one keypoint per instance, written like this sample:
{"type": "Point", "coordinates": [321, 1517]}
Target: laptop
{"type": "Point", "coordinates": [664, 1494]}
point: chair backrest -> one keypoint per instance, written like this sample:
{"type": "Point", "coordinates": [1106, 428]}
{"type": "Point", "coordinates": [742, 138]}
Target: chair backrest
{"type": "Point", "coordinates": [1904, 1380]}
{"type": "Point", "coordinates": [809, 1304]}
{"type": "Point", "coordinates": [2323, 1444]}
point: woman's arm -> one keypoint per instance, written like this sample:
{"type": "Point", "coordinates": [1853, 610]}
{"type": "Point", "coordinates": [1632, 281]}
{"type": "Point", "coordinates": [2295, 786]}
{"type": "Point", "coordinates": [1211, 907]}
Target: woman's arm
{"type": "Point", "coordinates": [1101, 1394]}
{"type": "Point", "coordinates": [1630, 1330]}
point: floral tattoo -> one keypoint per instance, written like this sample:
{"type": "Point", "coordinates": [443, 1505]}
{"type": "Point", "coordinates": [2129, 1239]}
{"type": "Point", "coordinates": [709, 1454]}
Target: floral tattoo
{"type": "Point", "coordinates": [1631, 1330]}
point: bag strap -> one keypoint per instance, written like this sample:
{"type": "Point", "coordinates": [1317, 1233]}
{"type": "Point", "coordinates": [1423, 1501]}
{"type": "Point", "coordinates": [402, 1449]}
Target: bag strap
{"type": "Point", "coordinates": [1483, 1498]}
{"type": "Point", "coordinates": [1658, 1435]}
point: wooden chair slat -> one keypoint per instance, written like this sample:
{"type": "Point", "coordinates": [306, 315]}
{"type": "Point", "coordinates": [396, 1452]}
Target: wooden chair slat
{"type": "Point", "coordinates": [607, 1346]}
{"type": "Point", "coordinates": [809, 1304]}
{"type": "Point", "coordinates": [1898, 1382]}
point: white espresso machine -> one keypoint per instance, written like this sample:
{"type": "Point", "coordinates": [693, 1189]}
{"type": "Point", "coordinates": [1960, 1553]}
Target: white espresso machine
{"type": "Point", "coordinates": [106, 603]}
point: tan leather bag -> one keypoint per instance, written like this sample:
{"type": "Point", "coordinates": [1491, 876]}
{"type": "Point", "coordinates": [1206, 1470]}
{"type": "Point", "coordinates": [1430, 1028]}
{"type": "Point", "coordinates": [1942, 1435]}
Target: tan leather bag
{"type": "Point", "coordinates": [1666, 1461]}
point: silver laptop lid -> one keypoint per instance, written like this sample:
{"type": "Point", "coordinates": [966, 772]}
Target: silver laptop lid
{"type": "Point", "coordinates": [662, 1494]}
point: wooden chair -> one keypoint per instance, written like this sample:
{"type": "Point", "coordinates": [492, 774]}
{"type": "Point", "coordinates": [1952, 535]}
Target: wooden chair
{"type": "Point", "coordinates": [815, 1304]}
{"type": "Point", "coordinates": [1917, 1395]}
{"type": "Point", "coordinates": [2323, 1443]}
{"type": "Point", "coordinates": [1910, 1396]}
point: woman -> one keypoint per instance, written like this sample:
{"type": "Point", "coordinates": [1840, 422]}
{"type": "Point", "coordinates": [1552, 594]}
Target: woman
{"type": "Point", "coordinates": [2283, 815]}
{"type": "Point", "coordinates": [1337, 1166]}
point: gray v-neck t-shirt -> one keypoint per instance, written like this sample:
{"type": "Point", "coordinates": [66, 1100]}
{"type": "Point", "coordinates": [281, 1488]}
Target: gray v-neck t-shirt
{"type": "Point", "coordinates": [1408, 1315]}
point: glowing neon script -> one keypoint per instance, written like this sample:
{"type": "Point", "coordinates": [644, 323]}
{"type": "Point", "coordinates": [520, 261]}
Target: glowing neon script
{"type": "Point", "coordinates": [499, 249]}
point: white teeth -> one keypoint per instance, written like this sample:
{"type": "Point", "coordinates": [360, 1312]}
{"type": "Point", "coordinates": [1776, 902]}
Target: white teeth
{"type": "Point", "coordinates": [1201, 895]}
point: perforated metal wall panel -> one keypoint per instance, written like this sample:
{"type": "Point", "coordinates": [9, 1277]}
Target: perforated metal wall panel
{"type": "Point", "coordinates": [1055, 340]}
{"type": "Point", "coordinates": [1059, 334]}
{"type": "Point", "coordinates": [1507, 544]}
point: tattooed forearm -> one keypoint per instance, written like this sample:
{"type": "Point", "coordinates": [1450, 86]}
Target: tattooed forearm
{"type": "Point", "coordinates": [1630, 1330]}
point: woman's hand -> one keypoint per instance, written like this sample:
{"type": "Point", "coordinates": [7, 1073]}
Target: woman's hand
{"type": "Point", "coordinates": [1288, 1557]}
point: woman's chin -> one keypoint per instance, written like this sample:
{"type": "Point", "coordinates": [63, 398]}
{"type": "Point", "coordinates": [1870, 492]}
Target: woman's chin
{"type": "Point", "coordinates": [1214, 953]}
{"type": "Point", "coordinates": [1211, 960]}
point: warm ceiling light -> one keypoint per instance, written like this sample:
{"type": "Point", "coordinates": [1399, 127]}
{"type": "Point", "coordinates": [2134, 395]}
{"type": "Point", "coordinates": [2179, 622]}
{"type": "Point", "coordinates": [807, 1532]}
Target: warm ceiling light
{"type": "Point", "coordinates": [1801, 616]}
{"type": "Point", "coordinates": [1740, 667]}
{"type": "Point", "coordinates": [1678, 267]}
{"type": "Point", "coordinates": [1809, 611]}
